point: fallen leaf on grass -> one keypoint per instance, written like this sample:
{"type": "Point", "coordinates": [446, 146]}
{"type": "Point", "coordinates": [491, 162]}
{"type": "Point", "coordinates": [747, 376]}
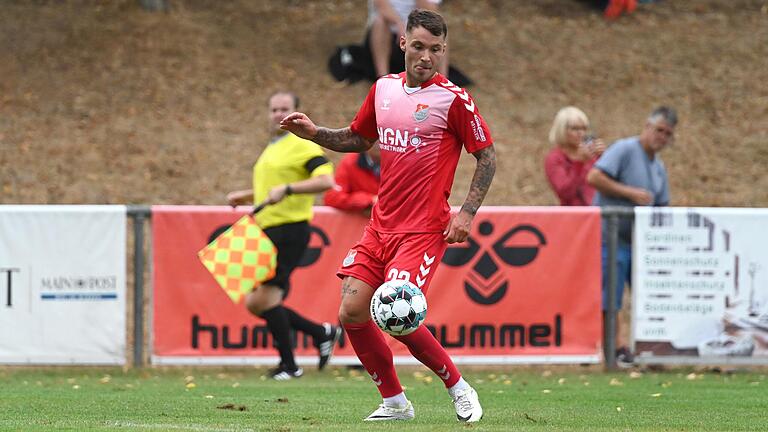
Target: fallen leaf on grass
{"type": "Point", "coordinates": [656, 395]}
{"type": "Point", "coordinates": [232, 407]}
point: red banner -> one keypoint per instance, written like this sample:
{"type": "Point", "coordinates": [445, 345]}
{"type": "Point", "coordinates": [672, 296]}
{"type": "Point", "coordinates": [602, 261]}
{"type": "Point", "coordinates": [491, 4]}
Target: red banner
{"type": "Point", "coordinates": [524, 288]}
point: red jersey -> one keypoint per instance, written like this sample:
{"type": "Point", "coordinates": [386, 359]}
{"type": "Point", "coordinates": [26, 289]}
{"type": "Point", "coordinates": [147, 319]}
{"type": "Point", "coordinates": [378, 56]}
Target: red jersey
{"type": "Point", "coordinates": [357, 183]}
{"type": "Point", "coordinates": [420, 135]}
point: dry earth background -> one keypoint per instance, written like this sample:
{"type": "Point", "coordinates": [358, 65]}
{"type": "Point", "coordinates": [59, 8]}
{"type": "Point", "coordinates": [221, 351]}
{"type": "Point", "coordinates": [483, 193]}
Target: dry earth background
{"type": "Point", "coordinates": [103, 102]}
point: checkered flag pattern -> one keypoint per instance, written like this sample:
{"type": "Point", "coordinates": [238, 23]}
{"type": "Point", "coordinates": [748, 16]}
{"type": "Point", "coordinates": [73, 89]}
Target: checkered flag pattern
{"type": "Point", "coordinates": [240, 258]}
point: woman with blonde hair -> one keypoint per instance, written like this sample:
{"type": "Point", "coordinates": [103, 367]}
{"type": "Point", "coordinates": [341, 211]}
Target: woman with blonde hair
{"type": "Point", "coordinates": [571, 158]}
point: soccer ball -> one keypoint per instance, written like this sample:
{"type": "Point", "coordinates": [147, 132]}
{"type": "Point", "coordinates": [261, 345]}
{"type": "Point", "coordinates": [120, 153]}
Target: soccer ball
{"type": "Point", "coordinates": [398, 307]}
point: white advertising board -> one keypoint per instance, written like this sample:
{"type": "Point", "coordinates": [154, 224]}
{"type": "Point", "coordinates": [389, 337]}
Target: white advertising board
{"type": "Point", "coordinates": [700, 285]}
{"type": "Point", "coordinates": [62, 284]}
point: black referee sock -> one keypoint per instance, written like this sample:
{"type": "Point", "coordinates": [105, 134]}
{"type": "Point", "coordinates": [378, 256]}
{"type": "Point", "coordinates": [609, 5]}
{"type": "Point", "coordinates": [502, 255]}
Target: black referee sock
{"type": "Point", "coordinates": [280, 327]}
{"type": "Point", "coordinates": [300, 323]}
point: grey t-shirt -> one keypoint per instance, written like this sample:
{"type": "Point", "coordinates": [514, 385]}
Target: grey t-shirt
{"type": "Point", "coordinates": [626, 162]}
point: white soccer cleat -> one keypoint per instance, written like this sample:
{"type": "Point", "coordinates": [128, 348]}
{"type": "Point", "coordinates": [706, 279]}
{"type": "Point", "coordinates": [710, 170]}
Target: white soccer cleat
{"type": "Point", "coordinates": [384, 413]}
{"type": "Point", "coordinates": [280, 373]}
{"type": "Point", "coordinates": [467, 405]}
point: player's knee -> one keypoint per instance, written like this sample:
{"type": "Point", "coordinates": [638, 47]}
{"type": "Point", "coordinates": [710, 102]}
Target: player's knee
{"type": "Point", "coordinates": [351, 314]}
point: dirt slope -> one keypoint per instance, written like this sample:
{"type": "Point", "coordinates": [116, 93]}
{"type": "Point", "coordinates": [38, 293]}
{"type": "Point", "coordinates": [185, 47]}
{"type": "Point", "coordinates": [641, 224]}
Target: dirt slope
{"type": "Point", "coordinates": [102, 102]}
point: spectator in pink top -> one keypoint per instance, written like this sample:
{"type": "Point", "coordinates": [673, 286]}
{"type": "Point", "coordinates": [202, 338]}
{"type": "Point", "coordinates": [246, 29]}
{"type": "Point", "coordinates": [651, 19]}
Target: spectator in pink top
{"type": "Point", "coordinates": [574, 153]}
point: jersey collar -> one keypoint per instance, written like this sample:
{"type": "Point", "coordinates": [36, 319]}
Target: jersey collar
{"type": "Point", "coordinates": [437, 78]}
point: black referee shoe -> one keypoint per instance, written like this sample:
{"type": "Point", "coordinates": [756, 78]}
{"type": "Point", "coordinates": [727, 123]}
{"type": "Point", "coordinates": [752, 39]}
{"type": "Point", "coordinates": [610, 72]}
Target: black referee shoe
{"type": "Point", "coordinates": [325, 347]}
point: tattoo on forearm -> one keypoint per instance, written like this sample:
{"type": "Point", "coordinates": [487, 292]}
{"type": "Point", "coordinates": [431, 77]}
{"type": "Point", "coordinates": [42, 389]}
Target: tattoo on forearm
{"type": "Point", "coordinates": [481, 180]}
{"type": "Point", "coordinates": [341, 140]}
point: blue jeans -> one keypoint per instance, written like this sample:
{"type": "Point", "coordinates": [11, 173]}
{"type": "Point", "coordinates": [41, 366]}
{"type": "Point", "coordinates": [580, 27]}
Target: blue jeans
{"type": "Point", "coordinates": [623, 272]}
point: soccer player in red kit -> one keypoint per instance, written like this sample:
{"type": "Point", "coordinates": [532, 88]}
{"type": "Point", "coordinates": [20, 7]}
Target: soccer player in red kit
{"type": "Point", "coordinates": [420, 121]}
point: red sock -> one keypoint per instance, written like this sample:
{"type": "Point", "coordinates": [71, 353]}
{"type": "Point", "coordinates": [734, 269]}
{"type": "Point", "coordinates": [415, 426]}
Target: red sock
{"type": "Point", "coordinates": [429, 352]}
{"type": "Point", "coordinates": [375, 355]}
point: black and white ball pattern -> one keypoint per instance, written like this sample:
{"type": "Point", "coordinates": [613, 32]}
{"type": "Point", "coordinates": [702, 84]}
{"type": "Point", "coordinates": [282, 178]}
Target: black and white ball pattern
{"type": "Point", "coordinates": [398, 307]}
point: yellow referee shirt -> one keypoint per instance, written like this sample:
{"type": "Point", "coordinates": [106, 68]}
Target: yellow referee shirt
{"type": "Point", "coordinates": [288, 159]}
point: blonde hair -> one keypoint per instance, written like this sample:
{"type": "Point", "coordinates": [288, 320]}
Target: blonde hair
{"type": "Point", "coordinates": [564, 117]}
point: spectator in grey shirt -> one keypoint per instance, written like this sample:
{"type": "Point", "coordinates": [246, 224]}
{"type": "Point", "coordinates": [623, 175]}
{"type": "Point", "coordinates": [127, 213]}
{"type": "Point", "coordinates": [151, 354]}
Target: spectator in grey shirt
{"type": "Point", "coordinates": [630, 173]}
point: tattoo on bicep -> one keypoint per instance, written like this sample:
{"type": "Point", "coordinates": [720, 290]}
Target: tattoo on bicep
{"type": "Point", "coordinates": [481, 180]}
{"type": "Point", "coordinates": [341, 140]}
{"type": "Point", "coordinates": [347, 290]}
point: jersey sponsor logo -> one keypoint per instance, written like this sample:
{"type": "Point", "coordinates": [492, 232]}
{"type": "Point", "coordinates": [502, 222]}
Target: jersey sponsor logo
{"type": "Point", "coordinates": [385, 104]}
{"type": "Point", "coordinates": [421, 113]}
{"type": "Point", "coordinates": [397, 140]}
{"type": "Point", "coordinates": [469, 104]}
{"type": "Point", "coordinates": [350, 259]}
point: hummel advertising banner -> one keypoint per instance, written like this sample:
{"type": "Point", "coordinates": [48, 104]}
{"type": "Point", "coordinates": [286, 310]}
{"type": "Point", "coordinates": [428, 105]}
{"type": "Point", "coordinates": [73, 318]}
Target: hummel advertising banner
{"type": "Point", "coordinates": [700, 279]}
{"type": "Point", "coordinates": [525, 288]}
{"type": "Point", "coordinates": [62, 284]}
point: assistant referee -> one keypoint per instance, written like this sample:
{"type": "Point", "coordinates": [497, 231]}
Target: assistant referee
{"type": "Point", "coordinates": [286, 175]}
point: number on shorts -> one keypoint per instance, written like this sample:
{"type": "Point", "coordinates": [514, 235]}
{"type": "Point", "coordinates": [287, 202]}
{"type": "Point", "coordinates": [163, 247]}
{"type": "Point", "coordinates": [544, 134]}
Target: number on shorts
{"type": "Point", "coordinates": [395, 274]}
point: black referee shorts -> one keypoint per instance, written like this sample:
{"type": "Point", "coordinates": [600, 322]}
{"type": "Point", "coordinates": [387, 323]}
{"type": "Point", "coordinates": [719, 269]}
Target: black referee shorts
{"type": "Point", "coordinates": [291, 240]}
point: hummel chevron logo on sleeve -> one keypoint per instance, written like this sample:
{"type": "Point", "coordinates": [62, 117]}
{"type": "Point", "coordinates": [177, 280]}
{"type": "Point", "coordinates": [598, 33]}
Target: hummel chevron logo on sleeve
{"type": "Point", "coordinates": [469, 104]}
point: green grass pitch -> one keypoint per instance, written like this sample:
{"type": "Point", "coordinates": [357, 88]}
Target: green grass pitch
{"type": "Point", "coordinates": [514, 399]}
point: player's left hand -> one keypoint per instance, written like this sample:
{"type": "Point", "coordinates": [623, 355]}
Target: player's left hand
{"type": "Point", "coordinates": [458, 227]}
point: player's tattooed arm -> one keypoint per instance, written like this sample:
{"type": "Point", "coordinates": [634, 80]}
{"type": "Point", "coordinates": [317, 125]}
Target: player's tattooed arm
{"type": "Point", "coordinates": [342, 140]}
{"type": "Point", "coordinates": [481, 180]}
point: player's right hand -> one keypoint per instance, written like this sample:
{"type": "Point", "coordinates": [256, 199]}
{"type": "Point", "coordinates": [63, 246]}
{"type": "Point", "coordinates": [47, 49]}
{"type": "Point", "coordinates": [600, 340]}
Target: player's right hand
{"type": "Point", "coordinates": [299, 124]}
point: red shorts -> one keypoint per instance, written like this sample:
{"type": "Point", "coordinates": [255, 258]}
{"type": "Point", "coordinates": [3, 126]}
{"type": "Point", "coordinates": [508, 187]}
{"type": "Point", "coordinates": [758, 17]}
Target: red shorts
{"type": "Point", "coordinates": [380, 256]}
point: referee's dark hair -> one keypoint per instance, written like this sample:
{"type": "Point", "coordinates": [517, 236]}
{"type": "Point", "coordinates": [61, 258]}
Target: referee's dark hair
{"type": "Point", "coordinates": [286, 92]}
